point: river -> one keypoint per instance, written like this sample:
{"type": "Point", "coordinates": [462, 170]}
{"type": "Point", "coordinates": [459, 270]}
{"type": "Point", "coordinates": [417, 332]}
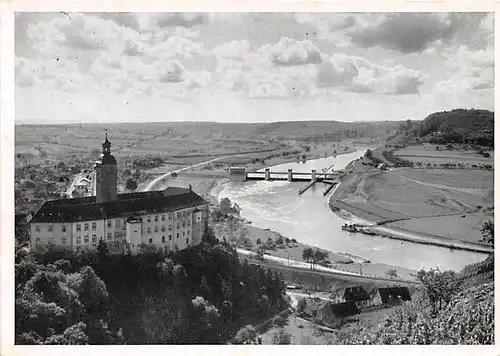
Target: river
{"type": "Point", "coordinates": [276, 205]}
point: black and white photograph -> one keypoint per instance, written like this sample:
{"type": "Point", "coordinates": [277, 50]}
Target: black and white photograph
{"type": "Point", "coordinates": [254, 178]}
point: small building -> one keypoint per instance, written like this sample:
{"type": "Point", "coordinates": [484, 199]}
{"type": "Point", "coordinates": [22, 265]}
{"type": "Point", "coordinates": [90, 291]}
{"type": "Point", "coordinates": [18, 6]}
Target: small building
{"type": "Point", "coordinates": [327, 312]}
{"type": "Point", "coordinates": [238, 173]}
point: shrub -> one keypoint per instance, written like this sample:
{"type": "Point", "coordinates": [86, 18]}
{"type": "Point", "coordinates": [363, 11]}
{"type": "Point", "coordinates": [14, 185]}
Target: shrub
{"type": "Point", "coordinates": [280, 337]}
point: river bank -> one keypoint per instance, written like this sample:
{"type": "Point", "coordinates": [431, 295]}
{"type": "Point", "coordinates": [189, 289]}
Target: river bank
{"type": "Point", "coordinates": [351, 201]}
{"type": "Point", "coordinates": [242, 232]}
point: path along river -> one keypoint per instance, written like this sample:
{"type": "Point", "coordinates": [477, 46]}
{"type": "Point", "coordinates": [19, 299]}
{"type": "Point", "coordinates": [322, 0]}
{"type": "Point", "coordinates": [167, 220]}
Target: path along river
{"type": "Point", "coordinates": [276, 205]}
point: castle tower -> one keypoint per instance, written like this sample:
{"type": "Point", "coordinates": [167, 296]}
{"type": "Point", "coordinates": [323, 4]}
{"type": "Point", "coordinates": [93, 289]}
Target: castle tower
{"type": "Point", "coordinates": [105, 175]}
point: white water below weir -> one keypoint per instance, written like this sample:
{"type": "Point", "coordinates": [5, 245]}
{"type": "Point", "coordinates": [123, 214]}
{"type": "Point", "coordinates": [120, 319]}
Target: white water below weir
{"type": "Point", "coordinates": [276, 205]}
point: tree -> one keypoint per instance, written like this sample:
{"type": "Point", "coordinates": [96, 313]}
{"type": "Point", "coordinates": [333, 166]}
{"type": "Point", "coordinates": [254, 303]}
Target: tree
{"type": "Point", "coordinates": [392, 273]}
{"type": "Point", "coordinates": [131, 184]}
{"type": "Point", "coordinates": [487, 230]}
{"type": "Point", "coordinates": [319, 255]}
{"type": "Point", "coordinates": [308, 255]}
{"type": "Point", "coordinates": [281, 337]}
{"type": "Point", "coordinates": [245, 334]}
{"type": "Point", "coordinates": [301, 305]}
{"type": "Point", "coordinates": [439, 287]}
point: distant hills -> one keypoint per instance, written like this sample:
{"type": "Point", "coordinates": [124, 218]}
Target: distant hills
{"type": "Point", "coordinates": [328, 130]}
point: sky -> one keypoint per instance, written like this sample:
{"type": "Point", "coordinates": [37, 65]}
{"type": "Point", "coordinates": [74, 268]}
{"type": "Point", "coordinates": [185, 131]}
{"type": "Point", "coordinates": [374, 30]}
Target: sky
{"type": "Point", "coordinates": [250, 67]}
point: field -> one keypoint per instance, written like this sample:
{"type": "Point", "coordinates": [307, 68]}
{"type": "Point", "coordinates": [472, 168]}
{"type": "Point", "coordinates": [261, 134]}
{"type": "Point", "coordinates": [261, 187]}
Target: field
{"type": "Point", "coordinates": [454, 227]}
{"type": "Point", "coordinates": [432, 200]}
{"type": "Point", "coordinates": [429, 154]}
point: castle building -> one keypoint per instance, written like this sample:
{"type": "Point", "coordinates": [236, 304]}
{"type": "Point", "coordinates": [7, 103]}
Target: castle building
{"type": "Point", "coordinates": [170, 219]}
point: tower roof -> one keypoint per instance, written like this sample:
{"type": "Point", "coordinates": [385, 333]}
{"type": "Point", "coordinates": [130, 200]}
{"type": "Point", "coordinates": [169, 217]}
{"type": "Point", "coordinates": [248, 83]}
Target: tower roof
{"type": "Point", "coordinates": [107, 157]}
{"type": "Point", "coordinates": [106, 143]}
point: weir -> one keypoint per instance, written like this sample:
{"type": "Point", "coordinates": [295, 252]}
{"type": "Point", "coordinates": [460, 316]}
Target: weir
{"type": "Point", "coordinates": [290, 176]}
{"type": "Point", "coordinates": [330, 186]}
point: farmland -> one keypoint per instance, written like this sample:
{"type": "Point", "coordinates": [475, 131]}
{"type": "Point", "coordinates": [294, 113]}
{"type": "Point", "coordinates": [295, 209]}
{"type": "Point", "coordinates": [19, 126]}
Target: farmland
{"type": "Point", "coordinates": [451, 202]}
{"type": "Point", "coordinates": [440, 154]}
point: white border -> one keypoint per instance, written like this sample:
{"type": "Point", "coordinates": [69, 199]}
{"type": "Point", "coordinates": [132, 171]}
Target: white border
{"type": "Point", "coordinates": [7, 8]}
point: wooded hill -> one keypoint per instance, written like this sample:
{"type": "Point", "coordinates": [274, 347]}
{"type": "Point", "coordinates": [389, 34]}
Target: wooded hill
{"type": "Point", "coordinates": [470, 126]}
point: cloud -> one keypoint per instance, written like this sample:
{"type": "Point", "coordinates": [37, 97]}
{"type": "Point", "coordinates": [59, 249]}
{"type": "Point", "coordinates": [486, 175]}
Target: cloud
{"type": "Point", "coordinates": [337, 71]}
{"type": "Point", "coordinates": [172, 73]}
{"type": "Point", "coordinates": [132, 49]}
{"type": "Point", "coordinates": [125, 19]}
{"type": "Point", "coordinates": [78, 34]}
{"type": "Point", "coordinates": [413, 32]}
{"type": "Point", "coordinates": [186, 19]}
{"type": "Point", "coordinates": [473, 70]}
{"type": "Point", "coordinates": [290, 52]}
{"type": "Point", "coordinates": [360, 75]}
{"type": "Point", "coordinates": [237, 50]}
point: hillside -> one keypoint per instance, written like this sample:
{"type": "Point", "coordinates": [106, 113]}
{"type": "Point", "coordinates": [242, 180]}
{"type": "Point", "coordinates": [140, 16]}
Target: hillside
{"type": "Point", "coordinates": [451, 309]}
{"type": "Point", "coordinates": [469, 126]}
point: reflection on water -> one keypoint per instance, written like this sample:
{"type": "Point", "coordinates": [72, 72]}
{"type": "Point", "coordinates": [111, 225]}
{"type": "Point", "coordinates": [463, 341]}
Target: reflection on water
{"type": "Point", "coordinates": [276, 205]}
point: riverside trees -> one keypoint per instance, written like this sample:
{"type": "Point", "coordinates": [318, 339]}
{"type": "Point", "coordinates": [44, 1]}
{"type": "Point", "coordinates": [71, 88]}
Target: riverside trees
{"type": "Point", "coordinates": [314, 256]}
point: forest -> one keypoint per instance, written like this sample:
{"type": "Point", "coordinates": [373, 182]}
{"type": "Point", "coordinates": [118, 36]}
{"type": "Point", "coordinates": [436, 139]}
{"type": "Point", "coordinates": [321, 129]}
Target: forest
{"type": "Point", "coordinates": [200, 295]}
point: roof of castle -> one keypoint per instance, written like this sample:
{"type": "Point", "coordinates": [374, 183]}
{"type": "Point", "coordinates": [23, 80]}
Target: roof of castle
{"type": "Point", "coordinates": [129, 204]}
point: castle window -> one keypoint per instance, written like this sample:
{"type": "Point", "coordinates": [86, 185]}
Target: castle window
{"type": "Point", "coordinates": [50, 228]}
{"type": "Point", "coordinates": [170, 227]}
{"type": "Point", "coordinates": [109, 223]}
{"type": "Point", "coordinates": [94, 239]}
{"type": "Point", "coordinates": [150, 241]}
{"type": "Point", "coordinates": [50, 240]}
{"type": "Point", "coordinates": [37, 228]}
{"type": "Point", "coordinates": [109, 236]}
{"type": "Point", "coordinates": [38, 240]}
{"type": "Point", "coordinates": [78, 227]}
{"type": "Point", "coordinates": [187, 241]}
{"type": "Point", "coordinates": [156, 228]}
{"type": "Point", "coordinates": [163, 239]}
{"type": "Point", "coordinates": [149, 219]}
{"type": "Point", "coordinates": [179, 215]}
{"type": "Point", "coordinates": [177, 235]}
{"type": "Point", "coordinates": [78, 240]}
{"type": "Point", "coordinates": [178, 226]}
{"type": "Point", "coordinates": [156, 218]}
{"type": "Point", "coordinates": [116, 244]}
{"type": "Point", "coordinates": [163, 218]}
{"type": "Point", "coordinates": [116, 234]}
{"type": "Point", "coordinates": [169, 237]}
{"type": "Point", "coordinates": [117, 224]}
{"type": "Point", "coordinates": [183, 233]}
{"type": "Point", "coordinates": [188, 232]}
{"type": "Point", "coordinates": [86, 239]}
{"type": "Point", "coordinates": [86, 227]}
{"type": "Point", "coordinates": [94, 226]}
{"type": "Point", "coordinates": [183, 224]}
{"type": "Point", "coordinates": [63, 228]}
{"type": "Point", "coordinates": [63, 240]}
{"type": "Point", "coordinates": [163, 228]}
{"type": "Point", "coordinates": [170, 216]}
{"type": "Point", "coordinates": [149, 230]}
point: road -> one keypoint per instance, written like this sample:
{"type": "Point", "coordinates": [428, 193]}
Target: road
{"type": "Point", "coordinates": [155, 181]}
{"type": "Point", "coordinates": [292, 264]}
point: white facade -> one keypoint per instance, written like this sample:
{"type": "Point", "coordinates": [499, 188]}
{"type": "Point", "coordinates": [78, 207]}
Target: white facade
{"type": "Point", "coordinates": [168, 230]}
